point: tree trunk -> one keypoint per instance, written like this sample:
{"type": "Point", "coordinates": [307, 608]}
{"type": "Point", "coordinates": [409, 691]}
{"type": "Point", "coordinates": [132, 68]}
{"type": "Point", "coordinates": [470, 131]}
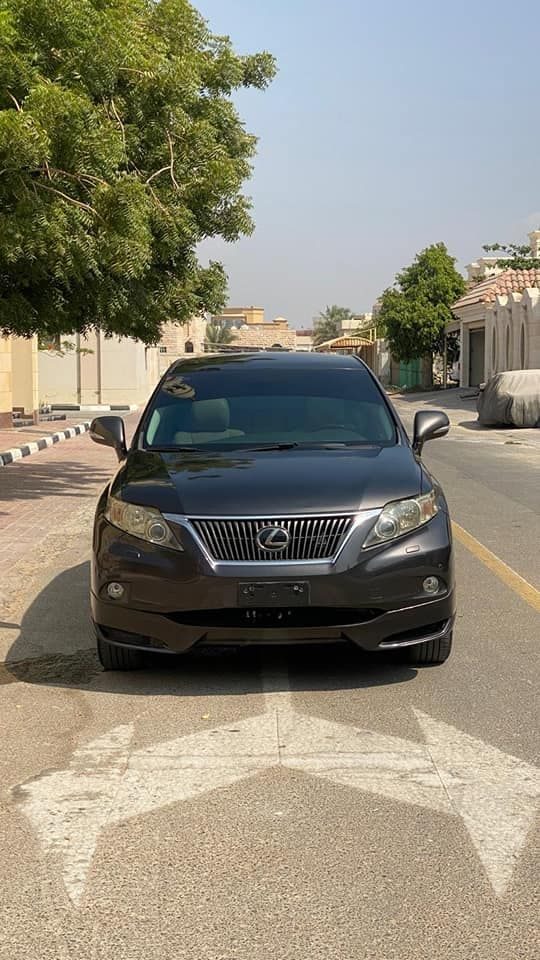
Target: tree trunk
{"type": "Point", "coordinates": [445, 364]}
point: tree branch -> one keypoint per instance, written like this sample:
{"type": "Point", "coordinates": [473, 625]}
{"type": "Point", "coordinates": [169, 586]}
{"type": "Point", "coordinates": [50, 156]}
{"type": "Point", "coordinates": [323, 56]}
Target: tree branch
{"type": "Point", "coordinates": [16, 102]}
{"type": "Point", "coordinates": [169, 167]}
{"type": "Point", "coordinates": [78, 177]}
{"type": "Point", "coordinates": [65, 196]}
{"type": "Point", "coordinates": [158, 201]}
{"type": "Point", "coordinates": [173, 178]}
{"type": "Point", "coordinates": [121, 125]}
{"type": "Point", "coordinates": [139, 73]}
{"type": "Point", "coordinates": [156, 174]}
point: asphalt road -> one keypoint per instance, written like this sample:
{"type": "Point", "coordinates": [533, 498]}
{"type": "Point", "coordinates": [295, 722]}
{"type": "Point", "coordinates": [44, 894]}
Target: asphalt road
{"type": "Point", "coordinates": [287, 804]}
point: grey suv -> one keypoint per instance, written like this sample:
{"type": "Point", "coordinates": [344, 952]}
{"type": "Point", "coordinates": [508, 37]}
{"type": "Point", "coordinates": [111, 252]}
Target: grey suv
{"type": "Point", "coordinates": [270, 498]}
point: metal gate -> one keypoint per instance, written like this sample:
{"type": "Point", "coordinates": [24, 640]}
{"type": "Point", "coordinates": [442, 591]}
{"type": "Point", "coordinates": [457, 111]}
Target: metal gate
{"type": "Point", "coordinates": [477, 346]}
{"type": "Point", "coordinates": [410, 374]}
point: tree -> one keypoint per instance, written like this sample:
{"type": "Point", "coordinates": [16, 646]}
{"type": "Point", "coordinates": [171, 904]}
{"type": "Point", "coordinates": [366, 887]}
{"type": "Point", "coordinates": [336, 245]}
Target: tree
{"type": "Point", "coordinates": [414, 313]}
{"type": "Point", "coordinates": [328, 324]}
{"type": "Point", "coordinates": [120, 151]}
{"type": "Point", "coordinates": [514, 256]}
{"type": "Point", "coordinates": [218, 334]}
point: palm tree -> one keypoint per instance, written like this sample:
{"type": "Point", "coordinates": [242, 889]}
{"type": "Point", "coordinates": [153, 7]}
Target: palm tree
{"type": "Point", "coordinates": [217, 335]}
{"type": "Point", "coordinates": [328, 324]}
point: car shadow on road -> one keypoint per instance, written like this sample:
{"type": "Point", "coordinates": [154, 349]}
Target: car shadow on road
{"type": "Point", "coordinates": [62, 478]}
{"type": "Point", "coordinates": [55, 647]}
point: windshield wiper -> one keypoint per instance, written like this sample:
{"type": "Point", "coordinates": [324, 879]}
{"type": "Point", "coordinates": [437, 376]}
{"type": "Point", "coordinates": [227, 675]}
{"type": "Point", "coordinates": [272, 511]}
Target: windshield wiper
{"type": "Point", "coordinates": [364, 443]}
{"type": "Point", "coordinates": [174, 448]}
{"type": "Point", "coordinates": [329, 445]}
{"type": "Point", "coordinates": [274, 446]}
{"type": "Point", "coordinates": [340, 444]}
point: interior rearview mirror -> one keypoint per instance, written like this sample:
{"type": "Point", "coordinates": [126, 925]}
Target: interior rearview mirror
{"type": "Point", "coordinates": [110, 432]}
{"type": "Point", "coordinates": [428, 425]}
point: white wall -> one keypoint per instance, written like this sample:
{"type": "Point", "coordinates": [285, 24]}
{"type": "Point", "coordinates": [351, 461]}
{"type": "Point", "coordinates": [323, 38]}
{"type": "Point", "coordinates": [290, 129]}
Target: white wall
{"type": "Point", "coordinates": [129, 371]}
{"type": "Point", "coordinates": [515, 312]}
{"type": "Point", "coordinates": [57, 377]}
{"type": "Point", "coordinates": [114, 371]}
{"type": "Point", "coordinates": [516, 316]}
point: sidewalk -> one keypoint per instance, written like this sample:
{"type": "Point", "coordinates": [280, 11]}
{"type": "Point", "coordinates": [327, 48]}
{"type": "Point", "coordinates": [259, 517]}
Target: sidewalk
{"type": "Point", "coordinates": [41, 494]}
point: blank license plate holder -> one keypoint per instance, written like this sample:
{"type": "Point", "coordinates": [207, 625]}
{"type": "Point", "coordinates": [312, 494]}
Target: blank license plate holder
{"type": "Point", "coordinates": [294, 593]}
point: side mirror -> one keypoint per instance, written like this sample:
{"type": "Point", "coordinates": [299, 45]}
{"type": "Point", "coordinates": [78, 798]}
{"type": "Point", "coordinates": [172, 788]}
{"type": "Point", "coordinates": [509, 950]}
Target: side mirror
{"type": "Point", "coordinates": [110, 432]}
{"type": "Point", "coordinates": [428, 425]}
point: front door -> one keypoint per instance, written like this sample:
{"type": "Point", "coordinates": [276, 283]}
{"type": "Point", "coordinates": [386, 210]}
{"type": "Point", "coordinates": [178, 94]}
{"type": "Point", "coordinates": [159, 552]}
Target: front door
{"type": "Point", "coordinates": [477, 346]}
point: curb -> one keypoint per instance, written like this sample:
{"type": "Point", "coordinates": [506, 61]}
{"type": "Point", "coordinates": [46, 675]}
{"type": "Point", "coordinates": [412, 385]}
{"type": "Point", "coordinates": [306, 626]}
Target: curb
{"type": "Point", "coordinates": [95, 409]}
{"type": "Point", "coordinates": [27, 449]}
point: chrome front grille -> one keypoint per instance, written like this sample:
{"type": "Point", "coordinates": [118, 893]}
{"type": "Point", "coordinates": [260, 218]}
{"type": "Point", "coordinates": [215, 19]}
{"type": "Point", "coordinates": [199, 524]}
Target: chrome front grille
{"type": "Point", "coordinates": [310, 538]}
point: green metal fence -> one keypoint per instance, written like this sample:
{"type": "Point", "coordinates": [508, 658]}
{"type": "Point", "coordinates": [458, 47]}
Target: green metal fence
{"type": "Point", "coordinates": [410, 374]}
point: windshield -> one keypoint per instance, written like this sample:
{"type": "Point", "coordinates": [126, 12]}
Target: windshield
{"type": "Point", "coordinates": [240, 406]}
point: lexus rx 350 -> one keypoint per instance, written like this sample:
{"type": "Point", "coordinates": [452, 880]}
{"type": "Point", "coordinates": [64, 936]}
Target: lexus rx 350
{"type": "Point", "coordinates": [269, 498]}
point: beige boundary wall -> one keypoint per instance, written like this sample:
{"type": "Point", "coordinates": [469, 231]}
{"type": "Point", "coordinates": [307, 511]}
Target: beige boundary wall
{"type": "Point", "coordinates": [18, 378]}
{"type": "Point", "coordinates": [98, 370]}
{"type": "Point", "coordinates": [6, 394]}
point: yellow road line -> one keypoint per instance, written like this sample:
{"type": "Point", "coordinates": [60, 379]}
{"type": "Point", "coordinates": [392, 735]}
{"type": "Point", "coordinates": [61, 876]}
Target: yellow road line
{"type": "Point", "coordinates": [522, 587]}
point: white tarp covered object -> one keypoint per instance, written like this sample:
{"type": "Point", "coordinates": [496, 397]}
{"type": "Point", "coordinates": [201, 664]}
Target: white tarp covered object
{"type": "Point", "coordinates": [511, 399]}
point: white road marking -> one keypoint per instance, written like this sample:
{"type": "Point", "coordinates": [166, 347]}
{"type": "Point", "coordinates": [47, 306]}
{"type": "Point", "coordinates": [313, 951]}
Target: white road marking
{"type": "Point", "coordinates": [495, 794]}
{"type": "Point", "coordinates": [107, 782]}
{"type": "Point", "coordinates": [398, 769]}
{"type": "Point", "coordinates": [69, 808]}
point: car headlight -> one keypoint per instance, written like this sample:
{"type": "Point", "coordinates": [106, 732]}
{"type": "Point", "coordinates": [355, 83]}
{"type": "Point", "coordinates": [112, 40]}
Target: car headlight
{"type": "Point", "coordinates": [147, 523]}
{"type": "Point", "coordinates": [402, 516]}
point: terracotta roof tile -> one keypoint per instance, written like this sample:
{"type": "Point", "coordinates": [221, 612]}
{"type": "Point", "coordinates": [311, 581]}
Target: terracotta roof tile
{"type": "Point", "coordinates": [510, 281]}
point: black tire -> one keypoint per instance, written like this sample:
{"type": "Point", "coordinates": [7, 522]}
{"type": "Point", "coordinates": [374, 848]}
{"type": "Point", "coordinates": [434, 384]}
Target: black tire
{"type": "Point", "coordinates": [431, 653]}
{"type": "Point", "coordinates": [118, 658]}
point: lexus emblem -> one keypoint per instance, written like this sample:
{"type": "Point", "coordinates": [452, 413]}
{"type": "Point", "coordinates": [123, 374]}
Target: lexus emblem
{"type": "Point", "coordinates": [273, 539]}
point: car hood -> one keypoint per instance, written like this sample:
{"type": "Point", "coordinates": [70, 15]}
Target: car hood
{"type": "Point", "coordinates": [271, 483]}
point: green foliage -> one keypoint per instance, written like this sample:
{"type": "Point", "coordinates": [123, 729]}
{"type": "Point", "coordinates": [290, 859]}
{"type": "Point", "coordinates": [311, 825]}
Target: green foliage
{"type": "Point", "coordinates": [120, 151]}
{"type": "Point", "coordinates": [414, 313]}
{"type": "Point", "coordinates": [453, 348]}
{"type": "Point", "coordinates": [514, 256]}
{"type": "Point", "coordinates": [328, 324]}
{"type": "Point", "coordinates": [218, 334]}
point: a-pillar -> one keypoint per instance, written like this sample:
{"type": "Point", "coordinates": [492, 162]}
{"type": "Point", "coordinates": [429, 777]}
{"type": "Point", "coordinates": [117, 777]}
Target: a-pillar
{"type": "Point", "coordinates": [6, 397]}
{"type": "Point", "coordinates": [25, 376]}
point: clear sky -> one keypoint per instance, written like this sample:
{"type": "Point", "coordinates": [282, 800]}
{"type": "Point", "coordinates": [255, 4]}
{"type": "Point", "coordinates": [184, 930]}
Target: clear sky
{"type": "Point", "coordinates": [392, 124]}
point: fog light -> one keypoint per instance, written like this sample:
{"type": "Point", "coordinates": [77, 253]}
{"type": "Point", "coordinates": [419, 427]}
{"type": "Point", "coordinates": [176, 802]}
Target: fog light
{"type": "Point", "coordinates": [115, 591]}
{"type": "Point", "coordinates": [431, 585]}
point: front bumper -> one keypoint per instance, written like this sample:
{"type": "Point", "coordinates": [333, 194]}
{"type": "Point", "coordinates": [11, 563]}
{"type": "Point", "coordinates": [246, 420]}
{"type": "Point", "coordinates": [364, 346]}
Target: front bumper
{"type": "Point", "coordinates": [174, 601]}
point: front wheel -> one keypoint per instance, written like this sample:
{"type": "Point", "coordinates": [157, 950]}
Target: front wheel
{"type": "Point", "coordinates": [112, 657]}
{"type": "Point", "coordinates": [432, 652]}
